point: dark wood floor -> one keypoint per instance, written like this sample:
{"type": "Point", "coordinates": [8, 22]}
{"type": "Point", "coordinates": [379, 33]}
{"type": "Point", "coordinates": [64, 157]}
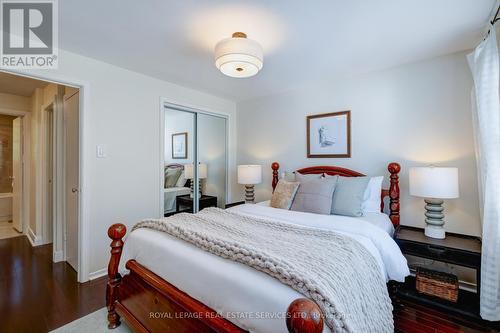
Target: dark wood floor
{"type": "Point", "coordinates": [38, 296]}
{"type": "Point", "coordinates": [413, 318]}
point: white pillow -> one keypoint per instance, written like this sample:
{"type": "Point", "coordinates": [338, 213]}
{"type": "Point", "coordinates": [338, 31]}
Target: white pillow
{"type": "Point", "coordinates": [371, 201]}
{"type": "Point", "coordinates": [181, 181]}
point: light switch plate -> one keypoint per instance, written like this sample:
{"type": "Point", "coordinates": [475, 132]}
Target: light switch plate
{"type": "Point", "coordinates": [101, 151]}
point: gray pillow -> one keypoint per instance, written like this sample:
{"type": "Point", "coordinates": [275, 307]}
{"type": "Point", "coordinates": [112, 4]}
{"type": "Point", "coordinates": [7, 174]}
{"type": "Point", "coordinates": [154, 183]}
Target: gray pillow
{"type": "Point", "coordinates": [349, 195]}
{"type": "Point", "coordinates": [304, 178]}
{"type": "Point", "coordinates": [315, 196]}
{"type": "Point", "coordinates": [171, 176]}
{"type": "Point", "coordinates": [298, 177]}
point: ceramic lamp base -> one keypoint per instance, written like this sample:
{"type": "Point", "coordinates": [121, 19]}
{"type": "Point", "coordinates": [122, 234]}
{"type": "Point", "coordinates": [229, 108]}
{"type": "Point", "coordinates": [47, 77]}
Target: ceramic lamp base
{"type": "Point", "coordinates": [435, 232]}
{"type": "Point", "coordinates": [191, 193]}
{"type": "Point", "coordinates": [249, 194]}
{"type": "Point", "coordinates": [434, 217]}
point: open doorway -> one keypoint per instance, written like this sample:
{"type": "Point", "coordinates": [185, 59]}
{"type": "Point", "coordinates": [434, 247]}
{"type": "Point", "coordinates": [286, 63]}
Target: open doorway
{"type": "Point", "coordinates": [10, 175]}
{"type": "Point", "coordinates": [39, 185]}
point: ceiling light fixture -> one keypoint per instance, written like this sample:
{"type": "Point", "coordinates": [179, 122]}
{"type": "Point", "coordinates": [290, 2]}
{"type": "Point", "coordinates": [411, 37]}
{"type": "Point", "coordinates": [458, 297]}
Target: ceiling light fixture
{"type": "Point", "coordinates": [239, 56]}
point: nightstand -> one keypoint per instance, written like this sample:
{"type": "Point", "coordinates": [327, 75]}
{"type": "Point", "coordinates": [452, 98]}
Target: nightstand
{"type": "Point", "coordinates": [184, 203]}
{"type": "Point", "coordinates": [232, 204]}
{"type": "Point", "coordinates": [459, 250]}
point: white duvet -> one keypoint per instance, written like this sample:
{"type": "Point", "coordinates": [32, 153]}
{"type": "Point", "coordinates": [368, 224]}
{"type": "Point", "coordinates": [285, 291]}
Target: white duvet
{"type": "Point", "coordinates": [251, 299]}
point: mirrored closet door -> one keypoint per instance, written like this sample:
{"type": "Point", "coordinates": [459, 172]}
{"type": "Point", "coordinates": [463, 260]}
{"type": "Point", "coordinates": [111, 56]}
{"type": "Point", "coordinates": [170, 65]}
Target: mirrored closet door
{"type": "Point", "coordinates": [195, 160]}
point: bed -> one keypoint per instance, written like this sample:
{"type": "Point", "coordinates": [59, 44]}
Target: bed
{"type": "Point", "coordinates": [158, 271]}
{"type": "Point", "coordinates": [170, 196]}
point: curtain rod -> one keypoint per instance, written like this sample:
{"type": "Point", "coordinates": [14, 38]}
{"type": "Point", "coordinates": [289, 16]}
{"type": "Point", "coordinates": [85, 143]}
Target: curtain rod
{"type": "Point", "coordinates": [492, 22]}
{"type": "Point", "coordinates": [495, 18]}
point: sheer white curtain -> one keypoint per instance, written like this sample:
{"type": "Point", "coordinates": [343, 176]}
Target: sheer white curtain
{"type": "Point", "coordinates": [484, 64]}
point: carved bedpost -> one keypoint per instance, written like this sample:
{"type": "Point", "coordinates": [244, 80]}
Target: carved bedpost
{"type": "Point", "coordinates": [394, 169]}
{"type": "Point", "coordinates": [304, 316]}
{"type": "Point", "coordinates": [275, 166]}
{"type": "Point", "coordinates": [116, 233]}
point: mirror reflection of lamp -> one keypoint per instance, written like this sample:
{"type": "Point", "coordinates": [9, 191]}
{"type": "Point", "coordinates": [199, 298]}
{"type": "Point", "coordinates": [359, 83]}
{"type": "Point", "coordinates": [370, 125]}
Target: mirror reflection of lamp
{"type": "Point", "coordinates": [249, 175]}
{"type": "Point", "coordinates": [189, 174]}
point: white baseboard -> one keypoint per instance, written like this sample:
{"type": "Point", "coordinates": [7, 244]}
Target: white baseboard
{"type": "Point", "coordinates": [34, 239]}
{"type": "Point", "coordinates": [98, 274]}
{"type": "Point", "coordinates": [58, 256]}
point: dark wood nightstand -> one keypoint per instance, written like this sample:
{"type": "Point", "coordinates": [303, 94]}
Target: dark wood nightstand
{"type": "Point", "coordinates": [184, 204]}
{"type": "Point", "coordinates": [232, 204]}
{"type": "Point", "coordinates": [459, 250]}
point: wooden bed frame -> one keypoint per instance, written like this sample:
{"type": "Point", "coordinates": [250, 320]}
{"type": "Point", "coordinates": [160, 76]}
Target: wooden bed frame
{"type": "Point", "coordinates": [148, 303]}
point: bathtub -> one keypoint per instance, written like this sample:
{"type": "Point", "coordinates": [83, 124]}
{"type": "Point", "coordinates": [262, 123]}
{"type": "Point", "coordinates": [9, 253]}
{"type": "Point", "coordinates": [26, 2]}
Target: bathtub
{"type": "Point", "coordinates": [5, 206]}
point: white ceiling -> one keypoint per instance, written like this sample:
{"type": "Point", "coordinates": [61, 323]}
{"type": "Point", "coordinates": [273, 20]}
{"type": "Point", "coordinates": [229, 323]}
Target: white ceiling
{"type": "Point", "coordinates": [19, 85]}
{"type": "Point", "coordinates": [302, 40]}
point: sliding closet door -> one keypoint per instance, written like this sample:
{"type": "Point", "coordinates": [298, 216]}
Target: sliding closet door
{"type": "Point", "coordinates": [180, 150]}
{"type": "Point", "coordinates": [212, 157]}
{"type": "Point", "coordinates": [195, 166]}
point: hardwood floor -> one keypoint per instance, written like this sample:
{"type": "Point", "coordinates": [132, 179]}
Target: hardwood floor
{"type": "Point", "coordinates": [37, 295]}
{"type": "Point", "coordinates": [7, 230]}
{"type": "Point", "coordinates": [414, 318]}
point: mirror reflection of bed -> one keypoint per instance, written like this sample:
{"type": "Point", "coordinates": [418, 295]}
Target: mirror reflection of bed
{"type": "Point", "coordinates": [178, 188]}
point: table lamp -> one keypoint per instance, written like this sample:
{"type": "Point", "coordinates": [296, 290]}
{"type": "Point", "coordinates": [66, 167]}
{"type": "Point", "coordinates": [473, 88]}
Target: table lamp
{"type": "Point", "coordinates": [202, 174]}
{"type": "Point", "coordinates": [434, 184]}
{"type": "Point", "coordinates": [249, 175]}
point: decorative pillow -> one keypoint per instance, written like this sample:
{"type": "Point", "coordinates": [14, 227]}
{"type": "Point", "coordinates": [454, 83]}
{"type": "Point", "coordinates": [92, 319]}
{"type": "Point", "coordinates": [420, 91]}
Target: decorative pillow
{"type": "Point", "coordinates": [304, 178]}
{"type": "Point", "coordinates": [349, 195]}
{"type": "Point", "coordinates": [288, 176]}
{"type": "Point", "coordinates": [181, 181]}
{"type": "Point", "coordinates": [315, 196]}
{"type": "Point", "coordinates": [171, 176]}
{"type": "Point", "coordinates": [371, 203]}
{"type": "Point", "coordinates": [283, 194]}
{"type": "Point", "coordinates": [298, 177]}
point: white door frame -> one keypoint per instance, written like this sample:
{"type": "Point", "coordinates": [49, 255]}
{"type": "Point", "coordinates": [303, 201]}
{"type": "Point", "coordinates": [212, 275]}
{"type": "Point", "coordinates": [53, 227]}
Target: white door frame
{"type": "Point", "coordinates": [84, 176]}
{"type": "Point", "coordinates": [166, 103]}
{"type": "Point", "coordinates": [26, 160]}
{"type": "Point", "coordinates": [41, 171]}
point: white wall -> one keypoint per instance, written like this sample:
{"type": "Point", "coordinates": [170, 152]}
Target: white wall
{"type": "Point", "coordinates": [121, 111]}
{"type": "Point", "coordinates": [415, 115]}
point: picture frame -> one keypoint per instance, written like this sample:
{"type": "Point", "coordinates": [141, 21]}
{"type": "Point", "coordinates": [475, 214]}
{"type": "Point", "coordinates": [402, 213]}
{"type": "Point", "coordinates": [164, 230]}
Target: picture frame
{"type": "Point", "coordinates": [180, 145]}
{"type": "Point", "coordinates": [329, 135]}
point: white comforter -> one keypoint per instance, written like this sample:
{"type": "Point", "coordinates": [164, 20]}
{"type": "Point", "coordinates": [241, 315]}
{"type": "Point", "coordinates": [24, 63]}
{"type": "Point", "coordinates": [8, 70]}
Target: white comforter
{"type": "Point", "coordinates": [250, 299]}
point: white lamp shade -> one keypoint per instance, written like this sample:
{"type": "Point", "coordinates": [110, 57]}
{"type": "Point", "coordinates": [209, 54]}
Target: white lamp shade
{"type": "Point", "coordinates": [434, 182]}
{"type": "Point", "coordinates": [239, 57]}
{"type": "Point", "coordinates": [249, 174]}
{"type": "Point", "coordinates": [202, 171]}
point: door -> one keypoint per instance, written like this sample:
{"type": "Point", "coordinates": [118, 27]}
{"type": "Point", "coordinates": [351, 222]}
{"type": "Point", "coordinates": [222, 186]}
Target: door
{"type": "Point", "coordinates": [71, 160]}
{"type": "Point", "coordinates": [17, 175]}
{"type": "Point", "coordinates": [49, 177]}
{"type": "Point", "coordinates": [212, 159]}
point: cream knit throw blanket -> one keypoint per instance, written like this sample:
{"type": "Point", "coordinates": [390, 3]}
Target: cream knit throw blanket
{"type": "Point", "coordinates": [332, 269]}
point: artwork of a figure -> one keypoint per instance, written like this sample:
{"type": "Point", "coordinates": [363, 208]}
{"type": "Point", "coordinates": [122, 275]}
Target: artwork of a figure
{"type": "Point", "coordinates": [324, 140]}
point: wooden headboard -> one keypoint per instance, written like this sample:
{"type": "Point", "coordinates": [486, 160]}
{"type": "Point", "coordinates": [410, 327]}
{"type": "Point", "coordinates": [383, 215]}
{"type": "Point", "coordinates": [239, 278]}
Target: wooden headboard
{"type": "Point", "coordinates": [392, 192]}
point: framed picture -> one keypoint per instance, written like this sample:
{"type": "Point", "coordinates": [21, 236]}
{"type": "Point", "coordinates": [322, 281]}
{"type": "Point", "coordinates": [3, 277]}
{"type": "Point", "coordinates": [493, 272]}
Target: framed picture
{"type": "Point", "coordinates": [180, 145]}
{"type": "Point", "coordinates": [329, 135]}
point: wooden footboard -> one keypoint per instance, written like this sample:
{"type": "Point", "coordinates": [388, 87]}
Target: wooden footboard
{"type": "Point", "coordinates": [148, 303]}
